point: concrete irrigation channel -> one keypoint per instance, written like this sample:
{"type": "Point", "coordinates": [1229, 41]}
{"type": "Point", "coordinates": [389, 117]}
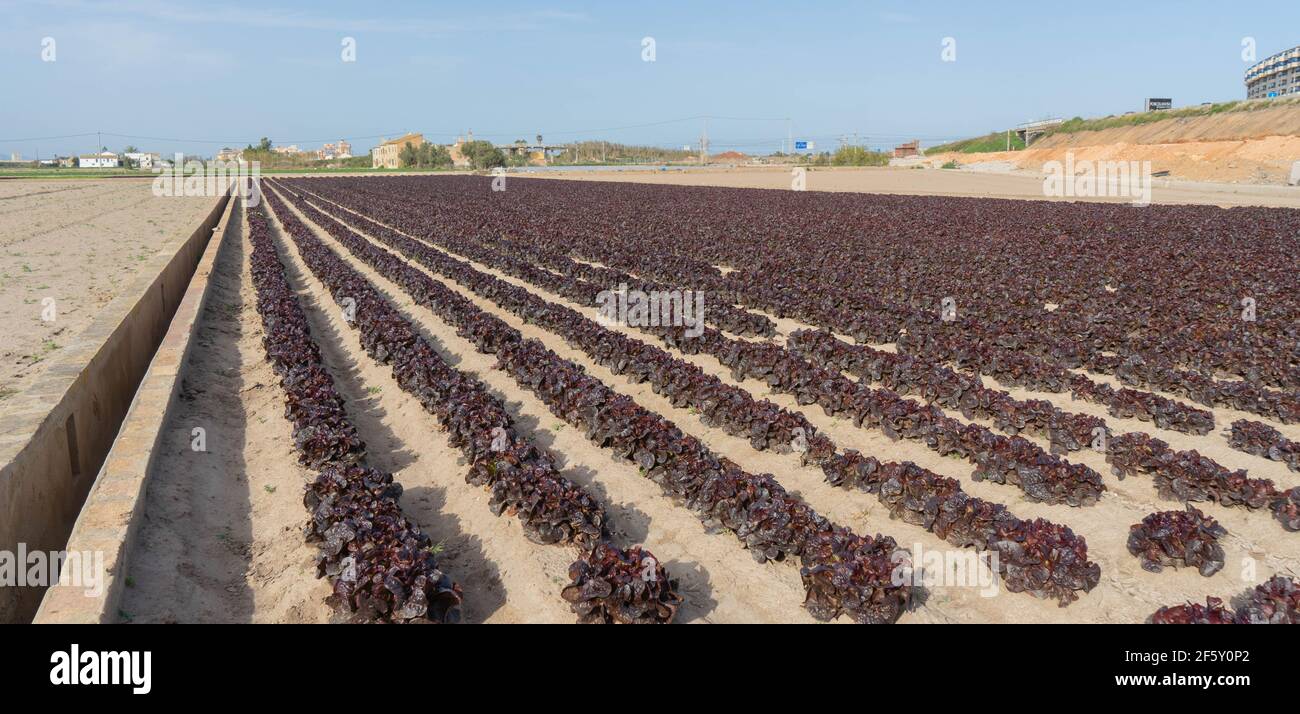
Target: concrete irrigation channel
{"type": "Point", "coordinates": [56, 435]}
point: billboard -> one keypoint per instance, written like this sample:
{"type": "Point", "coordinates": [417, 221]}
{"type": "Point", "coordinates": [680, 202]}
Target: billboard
{"type": "Point", "coordinates": [804, 145]}
{"type": "Point", "coordinates": [1156, 104]}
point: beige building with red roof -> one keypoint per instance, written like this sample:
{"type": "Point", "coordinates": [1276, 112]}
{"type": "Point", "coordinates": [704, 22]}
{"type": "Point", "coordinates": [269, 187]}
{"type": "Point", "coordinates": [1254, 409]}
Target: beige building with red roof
{"type": "Point", "coordinates": [386, 154]}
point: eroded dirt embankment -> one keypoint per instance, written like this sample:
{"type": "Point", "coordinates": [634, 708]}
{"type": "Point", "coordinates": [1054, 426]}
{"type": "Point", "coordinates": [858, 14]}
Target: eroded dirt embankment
{"type": "Point", "coordinates": [1246, 146]}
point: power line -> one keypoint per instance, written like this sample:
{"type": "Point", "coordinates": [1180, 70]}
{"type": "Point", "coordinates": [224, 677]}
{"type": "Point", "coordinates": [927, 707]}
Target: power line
{"type": "Point", "coordinates": [236, 142]}
{"type": "Point", "coordinates": [390, 133]}
{"type": "Point", "coordinates": [767, 141]}
{"type": "Point", "coordinates": [47, 138]}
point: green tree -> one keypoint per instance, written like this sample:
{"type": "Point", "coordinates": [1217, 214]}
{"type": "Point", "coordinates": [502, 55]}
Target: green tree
{"type": "Point", "coordinates": [407, 156]}
{"type": "Point", "coordinates": [434, 156]}
{"type": "Point", "coordinates": [858, 156]}
{"type": "Point", "coordinates": [483, 155]}
{"type": "Point", "coordinates": [424, 156]}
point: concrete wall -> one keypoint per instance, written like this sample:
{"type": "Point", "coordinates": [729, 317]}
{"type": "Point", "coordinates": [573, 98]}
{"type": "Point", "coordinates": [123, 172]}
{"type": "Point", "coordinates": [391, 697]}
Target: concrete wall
{"type": "Point", "coordinates": [110, 519]}
{"type": "Point", "coordinates": [56, 434]}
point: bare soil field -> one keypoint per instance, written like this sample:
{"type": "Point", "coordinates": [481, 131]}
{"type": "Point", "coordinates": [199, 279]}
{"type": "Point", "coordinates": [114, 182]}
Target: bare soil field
{"type": "Point", "coordinates": [1027, 184]}
{"type": "Point", "coordinates": [77, 243]}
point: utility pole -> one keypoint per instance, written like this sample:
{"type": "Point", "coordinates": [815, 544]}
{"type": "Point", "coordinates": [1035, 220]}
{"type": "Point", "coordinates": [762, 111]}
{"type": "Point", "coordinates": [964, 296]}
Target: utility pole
{"type": "Point", "coordinates": [789, 130]}
{"type": "Point", "coordinates": [704, 142]}
{"type": "Point", "coordinates": [1008, 140]}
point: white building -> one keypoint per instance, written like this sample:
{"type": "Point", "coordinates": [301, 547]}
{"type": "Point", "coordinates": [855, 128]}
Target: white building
{"type": "Point", "coordinates": [144, 160]}
{"type": "Point", "coordinates": [104, 160]}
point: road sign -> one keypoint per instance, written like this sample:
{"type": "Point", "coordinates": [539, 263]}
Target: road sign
{"type": "Point", "coordinates": [804, 146]}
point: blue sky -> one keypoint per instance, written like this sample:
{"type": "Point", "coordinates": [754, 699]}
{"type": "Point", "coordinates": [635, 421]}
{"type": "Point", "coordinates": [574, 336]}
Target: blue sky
{"type": "Point", "coordinates": [180, 75]}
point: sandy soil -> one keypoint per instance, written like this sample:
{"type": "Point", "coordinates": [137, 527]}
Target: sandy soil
{"type": "Point", "coordinates": [1256, 546]}
{"type": "Point", "coordinates": [222, 536]}
{"type": "Point", "coordinates": [80, 243]}
{"type": "Point", "coordinates": [719, 579]}
{"type": "Point", "coordinates": [1265, 160]}
{"type": "Point", "coordinates": [221, 539]}
{"type": "Point", "coordinates": [1239, 147]}
{"type": "Point", "coordinates": [936, 182]}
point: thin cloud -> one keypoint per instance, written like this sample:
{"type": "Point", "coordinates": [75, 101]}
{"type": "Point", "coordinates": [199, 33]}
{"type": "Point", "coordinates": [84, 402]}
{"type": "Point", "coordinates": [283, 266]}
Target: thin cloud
{"type": "Point", "coordinates": [272, 18]}
{"type": "Point", "coordinates": [898, 18]}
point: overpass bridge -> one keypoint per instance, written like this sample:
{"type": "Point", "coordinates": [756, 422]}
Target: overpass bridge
{"type": "Point", "coordinates": [1034, 129]}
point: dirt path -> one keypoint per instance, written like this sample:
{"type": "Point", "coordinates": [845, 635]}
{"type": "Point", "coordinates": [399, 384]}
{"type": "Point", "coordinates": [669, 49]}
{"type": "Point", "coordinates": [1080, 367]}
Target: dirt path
{"type": "Point", "coordinates": [221, 537]}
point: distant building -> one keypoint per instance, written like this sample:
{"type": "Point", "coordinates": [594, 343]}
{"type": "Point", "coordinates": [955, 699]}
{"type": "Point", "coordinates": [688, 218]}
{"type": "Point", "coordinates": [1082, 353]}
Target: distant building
{"type": "Point", "coordinates": [457, 151]}
{"type": "Point", "coordinates": [104, 160]}
{"type": "Point", "coordinates": [290, 149]}
{"type": "Point", "coordinates": [144, 160]}
{"type": "Point", "coordinates": [911, 148]}
{"type": "Point", "coordinates": [386, 154]}
{"type": "Point", "coordinates": [341, 150]}
{"type": "Point", "coordinates": [537, 154]}
{"type": "Point", "coordinates": [229, 154]}
{"type": "Point", "coordinates": [1275, 76]}
{"type": "Point", "coordinates": [67, 162]}
{"type": "Point", "coordinates": [15, 156]}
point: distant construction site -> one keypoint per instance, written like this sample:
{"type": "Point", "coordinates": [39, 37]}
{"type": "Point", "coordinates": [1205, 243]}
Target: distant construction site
{"type": "Point", "coordinates": [1255, 142]}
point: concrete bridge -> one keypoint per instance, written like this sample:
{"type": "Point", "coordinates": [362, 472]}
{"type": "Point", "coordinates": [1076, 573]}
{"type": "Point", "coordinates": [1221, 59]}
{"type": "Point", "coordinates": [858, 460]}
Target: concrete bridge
{"type": "Point", "coordinates": [1034, 129]}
